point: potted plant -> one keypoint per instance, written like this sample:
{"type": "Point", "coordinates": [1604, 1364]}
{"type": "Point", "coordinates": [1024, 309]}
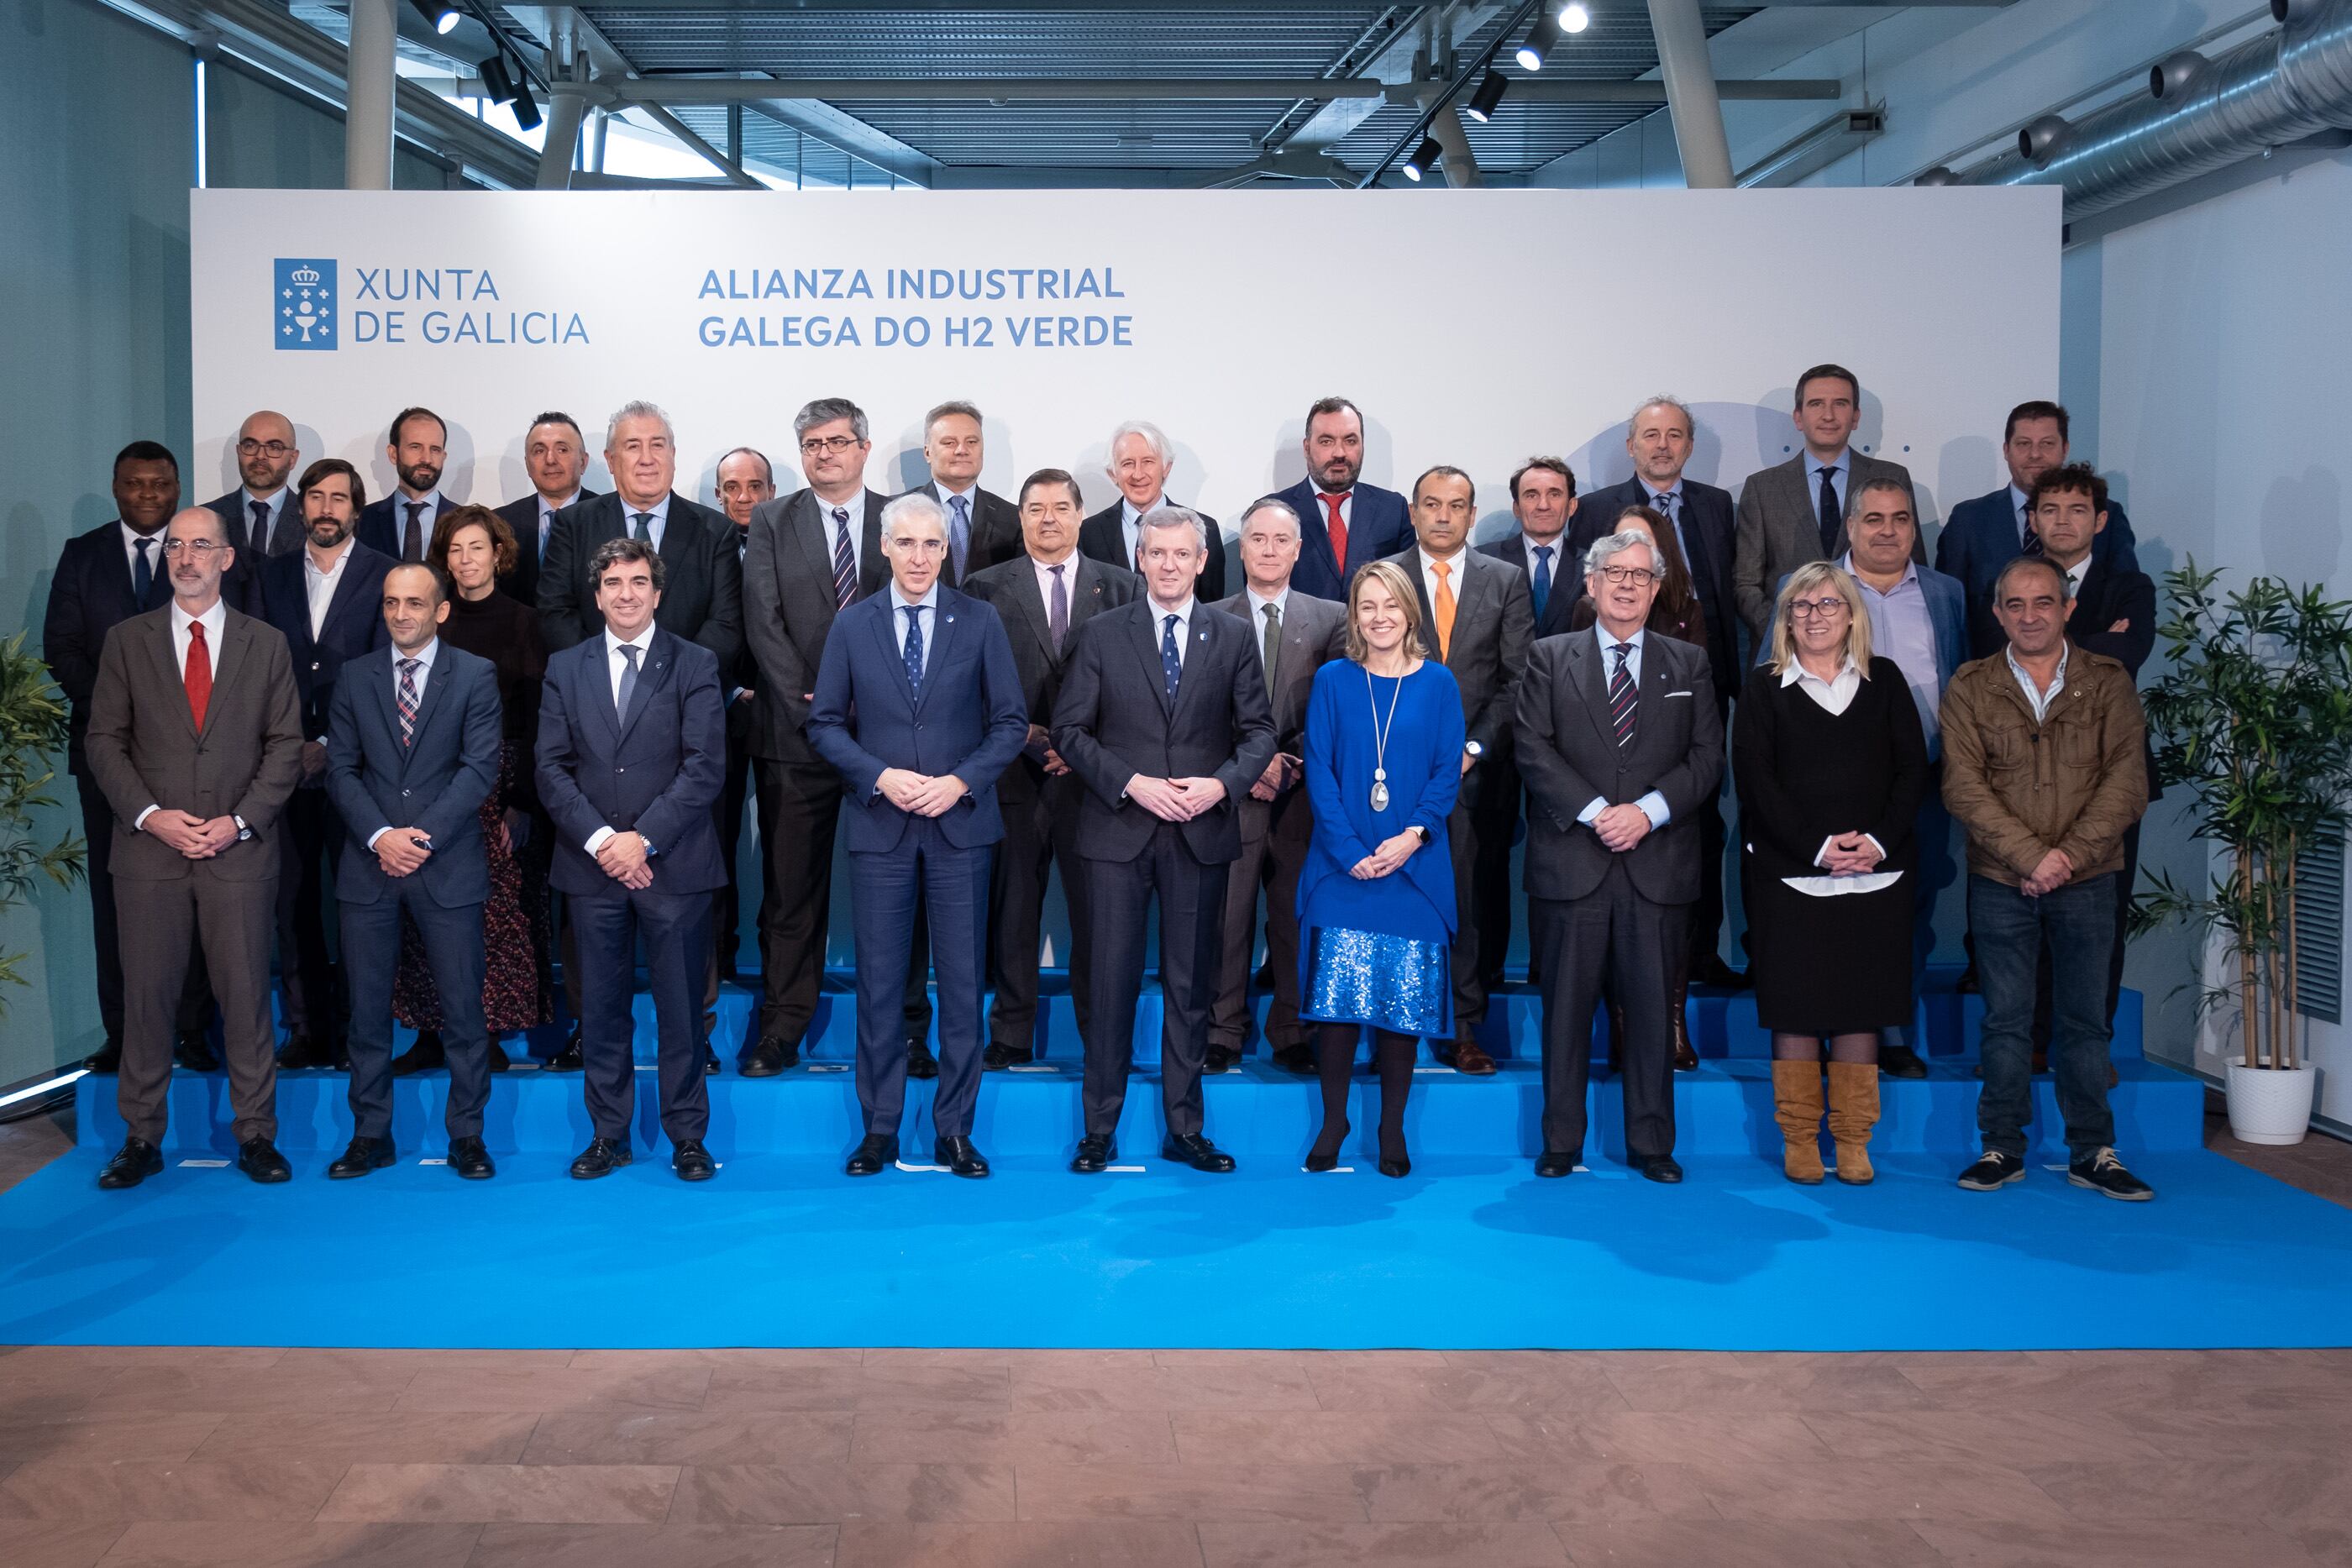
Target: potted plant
{"type": "Point", "coordinates": [32, 732]}
{"type": "Point", "coordinates": [2254, 716]}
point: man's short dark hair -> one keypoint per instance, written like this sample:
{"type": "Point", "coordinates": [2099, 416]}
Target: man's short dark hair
{"type": "Point", "coordinates": [440, 578]}
{"type": "Point", "coordinates": [1853, 500]}
{"type": "Point", "coordinates": [2037, 408]}
{"type": "Point", "coordinates": [325, 467]}
{"type": "Point", "coordinates": [145, 451]}
{"type": "Point", "coordinates": [1444, 471]}
{"type": "Point", "coordinates": [552, 416]}
{"type": "Point", "coordinates": [1554, 464]}
{"type": "Point", "coordinates": [612, 552]}
{"type": "Point", "coordinates": [1830, 373]}
{"type": "Point", "coordinates": [2070, 479]}
{"type": "Point", "coordinates": [1051, 476]}
{"type": "Point", "coordinates": [405, 414]}
{"type": "Point", "coordinates": [2029, 563]}
{"type": "Point", "coordinates": [1323, 406]}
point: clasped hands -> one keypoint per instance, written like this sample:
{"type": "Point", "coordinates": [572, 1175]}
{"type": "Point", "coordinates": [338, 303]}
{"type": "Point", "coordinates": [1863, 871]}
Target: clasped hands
{"type": "Point", "coordinates": [402, 851]}
{"type": "Point", "coordinates": [919, 794]}
{"type": "Point", "coordinates": [1392, 853]}
{"type": "Point", "coordinates": [1279, 775]}
{"type": "Point", "coordinates": [1851, 854]}
{"type": "Point", "coordinates": [2052, 873]}
{"type": "Point", "coordinates": [197, 838]}
{"type": "Point", "coordinates": [624, 858]}
{"type": "Point", "coordinates": [1174, 800]}
{"type": "Point", "coordinates": [1621, 826]}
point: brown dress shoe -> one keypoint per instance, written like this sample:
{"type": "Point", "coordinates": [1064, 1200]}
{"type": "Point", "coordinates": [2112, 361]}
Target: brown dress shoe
{"type": "Point", "coordinates": [1678, 1020]}
{"type": "Point", "coordinates": [1469, 1059]}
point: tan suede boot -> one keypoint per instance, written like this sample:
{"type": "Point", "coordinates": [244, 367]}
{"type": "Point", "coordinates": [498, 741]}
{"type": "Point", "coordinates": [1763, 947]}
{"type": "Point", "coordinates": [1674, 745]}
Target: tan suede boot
{"type": "Point", "coordinates": [1854, 1111]}
{"type": "Point", "coordinates": [1797, 1106]}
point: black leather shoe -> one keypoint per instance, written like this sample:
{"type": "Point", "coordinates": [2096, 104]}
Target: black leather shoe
{"type": "Point", "coordinates": [301, 1050]}
{"type": "Point", "coordinates": [259, 1159]}
{"type": "Point", "coordinates": [470, 1160]}
{"type": "Point", "coordinates": [194, 1052]}
{"type": "Point", "coordinates": [133, 1163]}
{"type": "Point", "coordinates": [1094, 1156]}
{"type": "Point", "coordinates": [1298, 1059]}
{"type": "Point", "coordinates": [1710, 970]}
{"type": "Point", "coordinates": [1396, 1165]}
{"type": "Point", "coordinates": [499, 1061]}
{"type": "Point", "coordinates": [602, 1157]}
{"type": "Point", "coordinates": [422, 1057]}
{"type": "Point", "coordinates": [1220, 1059]}
{"type": "Point", "coordinates": [710, 1061]}
{"type": "Point", "coordinates": [568, 1058]}
{"type": "Point", "coordinates": [107, 1058]}
{"type": "Point", "coordinates": [996, 1058]}
{"type": "Point", "coordinates": [1967, 984]}
{"type": "Point", "coordinates": [1662, 1169]}
{"type": "Point", "coordinates": [875, 1153]}
{"type": "Point", "coordinates": [1195, 1150]}
{"type": "Point", "coordinates": [772, 1055]}
{"type": "Point", "coordinates": [1901, 1061]}
{"type": "Point", "coordinates": [960, 1157]}
{"type": "Point", "coordinates": [1319, 1160]}
{"type": "Point", "coordinates": [920, 1062]}
{"type": "Point", "coordinates": [365, 1154]}
{"type": "Point", "coordinates": [1552, 1162]}
{"type": "Point", "coordinates": [692, 1162]}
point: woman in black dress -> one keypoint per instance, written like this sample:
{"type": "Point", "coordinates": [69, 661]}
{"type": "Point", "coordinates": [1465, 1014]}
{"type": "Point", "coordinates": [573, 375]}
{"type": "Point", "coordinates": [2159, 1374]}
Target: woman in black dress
{"type": "Point", "coordinates": [1829, 763]}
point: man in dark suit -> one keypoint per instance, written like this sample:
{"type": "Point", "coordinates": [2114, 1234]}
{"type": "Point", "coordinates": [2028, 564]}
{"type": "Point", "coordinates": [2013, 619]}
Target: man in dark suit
{"type": "Point", "coordinates": [1984, 535]}
{"type": "Point", "coordinates": [555, 455]}
{"type": "Point", "coordinates": [1296, 636]}
{"type": "Point", "coordinates": [1619, 741]}
{"type": "Point", "coordinates": [196, 741]}
{"type": "Point", "coordinates": [401, 525]}
{"type": "Point", "coordinates": [1795, 511]}
{"type": "Point", "coordinates": [1482, 622]}
{"type": "Point", "coordinates": [415, 737]}
{"type": "Point", "coordinates": [104, 578]}
{"type": "Point", "coordinates": [1139, 463]}
{"type": "Point", "coordinates": [1042, 598]}
{"type": "Point", "coordinates": [1163, 714]}
{"type": "Point", "coordinates": [919, 707]}
{"type": "Point", "coordinates": [1347, 523]}
{"type": "Point", "coordinates": [810, 555]}
{"type": "Point", "coordinates": [631, 749]}
{"type": "Point", "coordinates": [983, 527]}
{"type": "Point", "coordinates": [745, 481]}
{"type": "Point", "coordinates": [263, 515]}
{"type": "Point", "coordinates": [327, 600]}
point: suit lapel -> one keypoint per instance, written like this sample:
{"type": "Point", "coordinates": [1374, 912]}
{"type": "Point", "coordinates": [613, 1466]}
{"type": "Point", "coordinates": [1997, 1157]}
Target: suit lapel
{"type": "Point", "coordinates": [888, 636]}
{"type": "Point", "coordinates": [1145, 638]}
{"type": "Point", "coordinates": [429, 701]}
{"type": "Point", "coordinates": [1594, 677]}
{"type": "Point", "coordinates": [873, 571]}
{"type": "Point", "coordinates": [346, 592]}
{"type": "Point", "coordinates": [943, 635]}
{"type": "Point", "coordinates": [655, 671]}
{"type": "Point", "coordinates": [1469, 597]}
{"type": "Point", "coordinates": [600, 697]}
{"type": "Point", "coordinates": [167, 663]}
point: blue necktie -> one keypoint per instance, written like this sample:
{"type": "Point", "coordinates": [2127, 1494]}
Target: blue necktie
{"type": "Point", "coordinates": [1540, 588]}
{"type": "Point", "coordinates": [914, 645]}
{"type": "Point", "coordinates": [1171, 666]}
{"type": "Point", "coordinates": [142, 576]}
{"type": "Point", "coordinates": [629, 650]}
{"type": "Point", "coordinates": [959, 533]}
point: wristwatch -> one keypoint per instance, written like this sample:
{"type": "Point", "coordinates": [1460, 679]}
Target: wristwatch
{"type": "Point", "coordinates": [1417, 827]}
{"type": "Point", "coordinates": [1473, 749]}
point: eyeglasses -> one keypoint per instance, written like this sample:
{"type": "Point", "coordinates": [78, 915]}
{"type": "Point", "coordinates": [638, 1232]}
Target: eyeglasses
{"type": "Point", "coordinates": [250, 448]}
{"type": "Point", "coordinates": [1827, 609]}
{"type": "Point", "coordinates": [201, 549]}
{"type": "Point", "coordinates": [1639, 576]}
{"type": "Point", "coordinates": [833, 443]}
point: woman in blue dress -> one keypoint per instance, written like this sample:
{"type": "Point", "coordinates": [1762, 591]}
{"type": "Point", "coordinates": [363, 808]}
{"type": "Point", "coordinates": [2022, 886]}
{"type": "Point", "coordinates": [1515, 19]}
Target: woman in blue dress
{"type": "Point", "coordinates": [1376, 913]}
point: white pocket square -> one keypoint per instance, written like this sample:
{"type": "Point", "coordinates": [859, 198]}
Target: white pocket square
{"type": "Point", "coordinates": [1677, 694]}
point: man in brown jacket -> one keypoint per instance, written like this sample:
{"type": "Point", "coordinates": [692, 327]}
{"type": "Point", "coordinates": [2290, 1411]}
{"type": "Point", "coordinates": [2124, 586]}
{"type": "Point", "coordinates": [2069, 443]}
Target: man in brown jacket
{"type": "Point", "coordinates": [2042, 766]}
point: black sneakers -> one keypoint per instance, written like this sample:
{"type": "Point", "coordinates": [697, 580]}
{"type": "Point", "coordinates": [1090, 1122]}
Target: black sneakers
{"type": "Point", "coordinates": [1992, 1171]}
{"type": "Point", "coordinates": [2104, 1174]}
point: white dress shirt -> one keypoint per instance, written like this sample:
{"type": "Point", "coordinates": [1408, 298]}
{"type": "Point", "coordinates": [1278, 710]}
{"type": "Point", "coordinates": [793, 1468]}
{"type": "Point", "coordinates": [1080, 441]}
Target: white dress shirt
{"type": "Point", "coordinates": [1653, 805]}
{"type": "Point", "coordinates": [423, 672]}
{"type": "Point", "coordinates": [854, 509]}
{"type": "Point", "coordinates": [2075, 575]}
{"type": "Point", "coordinates": [1257, 603]}
{"type": "Point", "coordinates": [1184, 613]}
{"type": "Point", "coordinates": [1130, 524]}
{"type": "Point", "coordinates": [215, 621]}
{"type": "Point", "coordinates": [322, 585]}
{"type": "Point", "coordinates": [1834, 697]}
{"type": "Point", "coordinates": [1557, 545]}
{"type": "Point", "coordinates": [1455, 573]}
{"type": "Point", "coordinates": [131, 537]}
{"type": "Point", "coordinates": [2037, 698]}
{"type": "Point", "coordinates": [614, 665]}
{"type": "Point", "coordinates": [656, 528]}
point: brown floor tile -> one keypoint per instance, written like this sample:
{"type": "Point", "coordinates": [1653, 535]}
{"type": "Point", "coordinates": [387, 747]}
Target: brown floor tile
{"type": "Point", "coordinates": [691, 1438]}
{"type": "Point", "coordinates": [65, 1489]}
{"type": "Point", "coordinates": [226, 1391]}
{"type": "Point", "coordinates": [1053, 1362]}
{"type": "Point", "coordinates": [561, 1388]}
{"type": "Point", "coordinates": [2284, 1491]}
{"type": "Point", "coordinates": [49, 1390]}
{"type": "Point", "coordinates": [857, 1388]}
{"type": "Point", "coordinates": [1275, 1361]}
{"type": "Point", "coordinates": [106, 1437]}
{"type": "Point", "coordinates": [2079, 1382]}
{"type": "Point", "coordinates": [293, 1546]}
{"type": "Point", "coordinates": [829, 1494]}
{"type": "Point", "coordinates": [399, 1364]}
{"type": "Point", "coordinates": [2010, 1438]}
{"type": "Point", "coordinates": [2329, 1545]}
{"type": "Point", "coordinates": [2076, 1545]}
{"type": "Point", "coordinates": [493, 1494]}
{"type": "Point", "coordinates": [57, 1545]}
{"type": "Point", "coordinates": [1568, 1388]}
{"type": "Point", "coordinates": [398, 1439]}
{"type": "Point", "coordinates": [1660, 1436]}
{"type": "Point", "coordinates": [1725, 1387]}
{"type": "Point", "coordinates": [1258, 1493]}
{"type": "Point", "coordinates": [2237, 1434]}
{"type": "Point", "coordinates": [1199, 1387]}
{"type": "Point", "coordinates": [1027, 1543]}
{"type": "Point", "coordinates": [1056, 1437]}
{"type": "Point", "coordinates": [648, 1363]}
{"type": "Point", "coordinates": [648, 1545]}
{"type": "Point", "coordinates": [1745, 1543]}
{"type": "Point", "coordinates": [1531, 1546]}
{"type": "Point", "coordinates": [1869, 1488]}
{"type": "Point", "coordinates": [1334, 1438]}
{"type": "Point", "coordinates": [1583, 1491]}
{"type": "Point", "coordinates": [113, 1357]}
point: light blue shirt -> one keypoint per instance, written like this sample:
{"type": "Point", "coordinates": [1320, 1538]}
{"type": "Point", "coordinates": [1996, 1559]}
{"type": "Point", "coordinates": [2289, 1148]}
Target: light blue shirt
{"type": "Point", "coordinates": [1184, 613]}
{"type": "Point", "coordinates": [1902, 630]}
{"type": "Point", "coordinates": [1839, 472]}
{"type": "Point", "coordinates": [659, 512]}
{"type": "Point", "coordinates": [900, 604]}
{"type": "Point", "coordinates": [547, 510]}
{"type": "Point", "coordinates": [277, 505]}
{"type": "Point", "coordinates": [1130, 527]}
{"type": "Point", "coordinates": [2018, 503]}
{"type": "Point", "coordinates": [1670, 502]}
{"type": "Point", "coordinates": [1653, 805]}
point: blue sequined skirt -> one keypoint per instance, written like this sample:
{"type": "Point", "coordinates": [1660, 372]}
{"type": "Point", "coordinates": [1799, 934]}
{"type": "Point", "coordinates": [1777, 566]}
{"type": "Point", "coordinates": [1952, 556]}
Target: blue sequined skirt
{"type": "Point", "coordinates": [1396, 983]}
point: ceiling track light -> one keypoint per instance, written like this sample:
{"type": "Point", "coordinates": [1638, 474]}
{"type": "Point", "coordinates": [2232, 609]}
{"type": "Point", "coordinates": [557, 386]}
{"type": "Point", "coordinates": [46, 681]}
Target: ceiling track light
{"type": "Point", "coordinates": [1573, 18]}
{"type": "Point", "coordinates": [1487, 98]}
{"type": "Point", "coordinates": [444, 18]}
{"type": "Point", "coordinates": [1424, 158]}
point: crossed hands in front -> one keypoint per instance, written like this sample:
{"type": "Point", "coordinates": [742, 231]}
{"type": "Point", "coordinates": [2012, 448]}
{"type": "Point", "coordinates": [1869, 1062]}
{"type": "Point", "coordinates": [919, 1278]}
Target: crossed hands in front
{"type": "Point", "coordinates": [919, 794]}
{"type": "Point", "coordinates": [198, 838]}
{"type": "Point", "coordinates": [1174, 800]}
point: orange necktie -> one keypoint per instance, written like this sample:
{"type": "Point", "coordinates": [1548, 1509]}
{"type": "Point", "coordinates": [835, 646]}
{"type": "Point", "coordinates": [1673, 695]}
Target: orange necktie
{"type": "Point", "coordinates": [1444, 571]}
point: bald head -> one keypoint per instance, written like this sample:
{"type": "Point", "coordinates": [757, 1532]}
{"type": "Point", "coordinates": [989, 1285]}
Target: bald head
{"type": "Point", "coordinates": [266, 453]}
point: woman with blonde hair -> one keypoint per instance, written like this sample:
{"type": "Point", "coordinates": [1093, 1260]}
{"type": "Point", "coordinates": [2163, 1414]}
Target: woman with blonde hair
{"type": "Point", "coordinates": [1829, 763]}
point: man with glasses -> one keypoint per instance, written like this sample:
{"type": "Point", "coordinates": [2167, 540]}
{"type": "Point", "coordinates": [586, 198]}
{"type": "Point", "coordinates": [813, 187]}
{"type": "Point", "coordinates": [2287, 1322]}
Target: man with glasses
{"type": "Point", "coordinates": [262, 515]}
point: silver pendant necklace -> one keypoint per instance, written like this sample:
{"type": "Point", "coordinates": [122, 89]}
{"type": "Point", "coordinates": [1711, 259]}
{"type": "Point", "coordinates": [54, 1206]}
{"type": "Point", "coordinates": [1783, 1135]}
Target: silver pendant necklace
{"type": "Point", "coordinates": [1381, 729]}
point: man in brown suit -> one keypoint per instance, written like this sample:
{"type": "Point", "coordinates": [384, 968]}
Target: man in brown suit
{"type": "Point", "coordinates": [195, 738]}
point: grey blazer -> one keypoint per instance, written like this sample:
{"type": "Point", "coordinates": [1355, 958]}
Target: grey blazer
{"type": "Point", "coordinates": [1314, 632]}
{"type": "Point", "coordinates": [1567, 753]}
{"type": "Point", "coordinates": [1778, 530]}
{"type": "Point", "coordinates": [788, 604]}
{"type": "Point", "coordinates": [1493, 626]}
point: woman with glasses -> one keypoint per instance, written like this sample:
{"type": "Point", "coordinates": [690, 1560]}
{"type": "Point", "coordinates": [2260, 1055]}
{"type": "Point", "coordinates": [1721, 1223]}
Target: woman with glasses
{"type": "Point", "coordinates": [1829, 763]}
{"type": "Point", "coordinates": [1376, 913]}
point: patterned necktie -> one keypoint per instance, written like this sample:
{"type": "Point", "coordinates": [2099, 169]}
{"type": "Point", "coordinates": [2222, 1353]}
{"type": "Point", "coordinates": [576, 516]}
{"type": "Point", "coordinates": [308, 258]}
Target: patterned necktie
{"type": "Point", "coordinates": [1830, 520]}
{"type": "Point", "coordinates": [259, 542]}
{"type": "Point", "coordinates": [1621, 694]}
{"type": "Point", "coordinates": [407, 701]}
{"type": "Point", "coordinates": [2030, 540]}
{"type": "Point", "coordinates": [629, 652]}
{"type": "Point", "coordinates": [198, 675]}
{"type": "Point", "coordinates": [1273, 644]}
{"type": "Point", "coordinates": [914, 645]}
{"type": "Point", "coordinates": [1172, 665]}
{"type": "Point", "coordinates": [142, 576]}
{"type": "Point", "coordinates": [1337, 526]}
{"type": "Point", "coordinates": [959, 533]}
{"type": "Point", "coordinates": [644, 534]}
{"type": "Point", "coordinates": [1540, 587]}
{"type": "Point", "coordinates": [1057, 613]}
{"type": "Point", "coordinates": [845, 561]}
{"type": "Point", "coordinates": [412, 545]}
{"type": "Point", "coordinates": [1445, 606]}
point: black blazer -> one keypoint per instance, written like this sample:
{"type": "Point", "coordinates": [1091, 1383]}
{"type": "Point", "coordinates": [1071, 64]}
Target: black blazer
{"type": "Point", "coordinates": [702, 587]}
{"type": "Point", "coordinates": [1795, 790]}
{"type": "Point", "coordinates": [1707, 530]}
{"type": "Point", "coordinates": [1010, 587]}
{"type": "Point", "coordinates": [353, 624]}
{"type": "Point", "coordinates": [380, 526]}
{"type": "Point", "coordinates": [523, 517]}
{"type": "Point", "coordinates": [2111, 593]}
{"type": "Point", "coordinates": [1100, 538]}
{"type": "Point", "coordinates": [788, 598]}
{"type": "Point", "coordinates": [232, 512]}
{"type": "Point", "coordinates": [89, 597]}
{"type": "Point", "coordinates": [435, 783]}
{"type": "Point", "coordinates": [995, 532]}
{"type": "Point", "coordinates": [1112, 721]}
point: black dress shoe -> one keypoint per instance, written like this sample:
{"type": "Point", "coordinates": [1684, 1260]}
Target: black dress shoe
{"type": "Point", "coordinates": [996, 1058]}
{"type": "Point", "coordinates": [1094, 1156]}
{"type": "Point", "coordinates": [194, 1052]}
{"type": "Point", "coordinates": [1195, 1150]}
{"type": "Point", "coordinates": [133, 1163]}
{"type": "Point", "coordinates": [301, 1050]}
{"type": "Point", "coordinates": [771, 1056]}
{"type": "Point", "coordinates": [1220, 1059]}
{"type": "Point", "coordinates": [365, 1154]}
{"type": "Point", "coordinates": [602, 1157]}
{"type": "Point", "coordinates": [499, 1061]}
{"type": "Point", "coordinates": [1710, 970]}
{"type": "Point", "coordinates": [920, 1062]}
{"type": "Point", "coordinates": [470, 1160]}
{"type": "Point", "coordinates": [1396, 1165]}
{"type": "Point", "coordinates": [1901, 1061]}
{"type": "Point", "coordinates": [875, 1153]}
{"type": "Point", "coordinates": [107, 1058]}
{"type": "Point", "coordinates": [1662, 1169]}
{"type": "Point", "coordinates": [259, 1159]}
{"type": "Point", "coordinates": [568, 1058]}
{"type": "Point", "coordinates": [1551, 1163]}
{"type": "Point", "coordinates": [710, 1061]}
{"type": "Point", "coordinates": [422, 1057]}
{"type": "Point", "coordinates": [1967, 984]}
{"type": "Point", "coordinates": [1298, 1059]}
{"type": "Point", "coordinates": [692, 1162]}
{"type": "Point", "coordinates": [960, 1157]}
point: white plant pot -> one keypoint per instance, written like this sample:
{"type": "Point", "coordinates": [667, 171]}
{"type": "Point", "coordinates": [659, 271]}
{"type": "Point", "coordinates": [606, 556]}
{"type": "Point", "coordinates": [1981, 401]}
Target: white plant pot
{"type": "Point", "coordinates": [2270, 1105]}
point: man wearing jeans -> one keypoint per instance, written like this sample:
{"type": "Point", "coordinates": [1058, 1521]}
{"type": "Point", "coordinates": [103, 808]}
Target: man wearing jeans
{"type": "Point", "coordinates": [2042, 766]}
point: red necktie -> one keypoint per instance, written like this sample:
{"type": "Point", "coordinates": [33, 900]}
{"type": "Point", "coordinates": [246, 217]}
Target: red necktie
{"type": "Point", "coordinates": [1337, 526]}
{"type": "Point", "coordinates": [198, 675]}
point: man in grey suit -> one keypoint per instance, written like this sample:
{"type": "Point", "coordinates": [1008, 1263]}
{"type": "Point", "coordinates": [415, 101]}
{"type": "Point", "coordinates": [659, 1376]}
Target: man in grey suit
{"type": "Point", "coordinates": [195, 738]}
{"type": "Point", "coordinates": [1795, 511]}
{"type": "Point", "coordinates": [1620, 744]}
{"type": "Point", "coordinates": [1296, 634]}
{"type": "Point", "coordinates": [1044, 597]}
{"type": "Point", "coordinates": [1482, 623]}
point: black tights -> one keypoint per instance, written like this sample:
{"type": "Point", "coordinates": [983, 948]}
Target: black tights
{"type": "Point", "coordinates": [1335, 1055]}
{"type": "Point", "coordinates": [1861, 1047]}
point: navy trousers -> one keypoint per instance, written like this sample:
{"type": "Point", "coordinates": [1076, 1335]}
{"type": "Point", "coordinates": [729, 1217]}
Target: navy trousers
{"type": "Point", "coordinates": [949, 884]}
{"type": "Point", "coordinates": [453, 949]}
{"type": "Point", "coordinates": [677, 930]}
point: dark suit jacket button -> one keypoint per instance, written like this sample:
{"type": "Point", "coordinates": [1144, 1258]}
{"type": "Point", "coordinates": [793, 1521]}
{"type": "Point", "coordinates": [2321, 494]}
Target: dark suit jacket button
{"type": "Point", "coordinates": [620, 771]}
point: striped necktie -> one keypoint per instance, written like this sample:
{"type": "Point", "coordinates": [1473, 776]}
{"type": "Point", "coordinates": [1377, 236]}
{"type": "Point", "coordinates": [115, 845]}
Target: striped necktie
{"type": "Point", "coordinates": [845, 561]}
{"type": "Point", "coordinates": [407, 702]}
{"type": "Point", "coordinates": [1622, 697]}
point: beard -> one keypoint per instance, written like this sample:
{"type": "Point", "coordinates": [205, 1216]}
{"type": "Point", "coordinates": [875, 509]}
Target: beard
{"type": "Point", "coordinates": [421, 476]}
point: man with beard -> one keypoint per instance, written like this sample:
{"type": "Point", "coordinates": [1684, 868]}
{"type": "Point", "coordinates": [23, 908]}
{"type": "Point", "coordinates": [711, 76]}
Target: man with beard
{"type": "Point", "coordinates": [555, 455]}
{"type": "Point", "coordinates": [326, 600]}
{"type": "Point", "coordinates": [263, 517]}
{"type": "Point", "coordinates": [1139, 463]}
{"type": "Point", "coordinates": [1345, 524]}
{"type": "Point", "coordinates": [401, 525]}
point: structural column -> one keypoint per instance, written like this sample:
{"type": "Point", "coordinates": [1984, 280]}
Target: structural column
{"type": "Point", "coordinates": [1689, 75]}
{"type": "Point", "coordinates": [367, 96]}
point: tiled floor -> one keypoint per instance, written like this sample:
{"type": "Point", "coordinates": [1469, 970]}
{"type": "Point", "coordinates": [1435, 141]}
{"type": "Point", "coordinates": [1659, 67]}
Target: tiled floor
{"type": "Point", "coordinates": [1206, 1459]}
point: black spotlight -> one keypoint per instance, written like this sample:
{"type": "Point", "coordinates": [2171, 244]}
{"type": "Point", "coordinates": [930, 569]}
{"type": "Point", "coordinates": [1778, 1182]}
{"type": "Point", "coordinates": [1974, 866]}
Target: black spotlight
{"type": "Point", "coordinates": [1487, 98]}
{"type": "Point", "coordinates": [1424, 158]}
{"type": "Point", "coordinates": [443, 17]}
{"type": "Point", "coordinates": [510, 86]}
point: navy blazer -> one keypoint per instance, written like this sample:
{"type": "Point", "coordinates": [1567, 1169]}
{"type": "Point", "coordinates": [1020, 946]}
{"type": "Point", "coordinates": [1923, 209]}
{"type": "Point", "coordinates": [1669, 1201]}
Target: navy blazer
{"type": "Point", "coordinates": [1706, 516]}
{"type": "Point", "coordinates": [1980, 537]}
{"type": "Point", "coordinates": [353, 624]}
{"type": "Point", "coordinates": [89, 597]}
{"type": "Point", "coordinates": [655, 771]}
{"type": "Point", "coordinates": [380, 526]}
{"type": "Point", "coordinates": [969, 719]}
{"type": "Point", "coordinates": [1380, 524]}
{"type": "Point", "coordinates": [702, 581]}
{"type": "Point", "coordinates": [435, 784]}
